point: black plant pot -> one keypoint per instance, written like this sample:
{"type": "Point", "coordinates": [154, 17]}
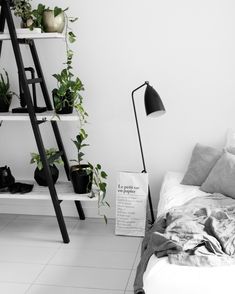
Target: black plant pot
{"type": "Point", "coordinates": [40, 176]}
{"type": "Point", "coordinates": [4, 105]}
{"type": "Point", "coordinates": [81, 178]}
{"type": "Point", "coordinates": [65, 103]}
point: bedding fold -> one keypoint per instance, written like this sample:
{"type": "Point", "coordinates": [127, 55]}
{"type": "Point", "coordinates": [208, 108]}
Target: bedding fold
{"type": "Point", "coordinates": [198, 233]}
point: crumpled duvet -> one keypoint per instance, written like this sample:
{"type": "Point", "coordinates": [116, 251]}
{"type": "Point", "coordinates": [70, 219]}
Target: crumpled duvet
{"type": "Point", "coordinates": [198, 233]}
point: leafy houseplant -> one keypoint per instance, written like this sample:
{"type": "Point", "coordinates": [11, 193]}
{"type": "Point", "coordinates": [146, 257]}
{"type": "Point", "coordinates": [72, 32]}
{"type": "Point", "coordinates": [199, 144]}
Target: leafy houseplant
{"type": "Point", "coordinates": [23, 9]}
{"type": "Point", "coordinates": [67, 94]}
{"type": "Point", "coordinates": [53, 157]}
{"type": "Point", "coordinates": [49, 20]}
{"type": "Point", "coordinates": [5, 93]}
{"type": "Point", "coordinates": [81, 174]}
{"type": "Point", "coordinates": [99, 180]}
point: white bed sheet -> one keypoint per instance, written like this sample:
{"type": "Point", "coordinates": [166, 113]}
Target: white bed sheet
{"type": "Point", "coordinates": [163, 278]}
{"type": "Point", "coordinates": [173, 194]}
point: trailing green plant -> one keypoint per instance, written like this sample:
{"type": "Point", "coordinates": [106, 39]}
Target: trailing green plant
{"type": "Point", "coordinates": [5, 92]}
{"type": "Point", "coordinates": [53, 157]}
{"type": "Point", "coordinates": [68, 89]}
{"type": "Point", "coordinates": [99, 176]}
{"type": "Point", "coordinates": [99, 180]}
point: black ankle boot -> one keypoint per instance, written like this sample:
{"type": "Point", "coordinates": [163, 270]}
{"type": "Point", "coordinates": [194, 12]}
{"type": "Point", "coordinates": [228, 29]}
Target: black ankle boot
{"type": "Point", "coordinates": [6, 178]}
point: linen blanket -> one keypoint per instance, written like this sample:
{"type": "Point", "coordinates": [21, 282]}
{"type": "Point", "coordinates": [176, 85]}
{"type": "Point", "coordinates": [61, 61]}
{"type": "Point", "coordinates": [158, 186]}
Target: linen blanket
{"type": "Point", "coordinates": [198, 233]}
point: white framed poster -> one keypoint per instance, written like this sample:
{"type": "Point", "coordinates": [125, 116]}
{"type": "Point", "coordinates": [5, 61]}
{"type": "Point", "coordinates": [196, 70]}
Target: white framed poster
{"type": "Point", "coordinates": [131, 202]}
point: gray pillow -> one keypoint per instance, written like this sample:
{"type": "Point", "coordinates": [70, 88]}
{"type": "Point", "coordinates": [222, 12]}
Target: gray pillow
{"type": "Point", "coordinates": [222, 177]}
{"type": "Point", "coordinates": [202, 161]}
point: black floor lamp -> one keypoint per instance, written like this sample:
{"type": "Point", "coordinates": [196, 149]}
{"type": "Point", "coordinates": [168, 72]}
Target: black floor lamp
{"type": "Point", "coordinates": [154, 108]}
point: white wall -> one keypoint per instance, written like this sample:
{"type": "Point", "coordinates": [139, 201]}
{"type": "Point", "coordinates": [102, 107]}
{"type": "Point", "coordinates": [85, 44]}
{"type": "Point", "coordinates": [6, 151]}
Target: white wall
{"type": "Point", "coordinates": [184, 48]}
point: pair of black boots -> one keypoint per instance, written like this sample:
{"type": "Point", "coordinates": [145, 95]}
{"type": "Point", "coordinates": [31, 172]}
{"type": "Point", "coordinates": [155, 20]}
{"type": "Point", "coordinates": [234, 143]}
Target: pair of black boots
{"type": "Point", "coordinates": [7, 182]}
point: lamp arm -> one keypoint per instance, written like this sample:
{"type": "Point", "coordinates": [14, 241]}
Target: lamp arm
{"type": "Point", "coordinates": [137, 125]}
{"type": "Point", "coordinates": [145, 83]}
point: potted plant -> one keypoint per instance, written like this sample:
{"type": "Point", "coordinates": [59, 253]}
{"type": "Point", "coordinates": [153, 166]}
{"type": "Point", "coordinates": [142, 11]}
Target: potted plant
{"type": "Point", "coordinates": [54, 19]}
{"type": "Point", "coordinates": [23, 9]}
{"type": "Point", "coordinates": [66, 96]}
{"type": "Point", "coordinates": [53, 157]}
{"type": "Point", "coordinates": [49, 20]}
{"type": "Point", "coordinates": [88, 178]}
{"type": "Point", "coordinates": [5, 93]}
{"type": "Point", "coordinates": [81, 174]}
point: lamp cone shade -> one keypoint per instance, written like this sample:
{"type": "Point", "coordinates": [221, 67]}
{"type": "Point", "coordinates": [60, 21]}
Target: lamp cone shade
{"type": "Point", "coordinates": [153, 103]}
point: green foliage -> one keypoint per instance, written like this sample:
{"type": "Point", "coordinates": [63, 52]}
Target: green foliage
{"type": "Point", "coordinates": [99, 180]}
{"type": "Point", "coordinates": [53, 157]}
{"type": "Point", "coordinates": [80, 138]}
{"type": "Point", "coordinates": [67, 91]}
{"type": "Point", "coordinates": [23, 9]}
{"type": "Point", "coordinates": [5, 92]}
{"type": "Point", "coordinates": [4, 84]}
{"type": "Point", "coordinates": [68, 86]}
{"type": "Point", "coordinates": [37, 15]}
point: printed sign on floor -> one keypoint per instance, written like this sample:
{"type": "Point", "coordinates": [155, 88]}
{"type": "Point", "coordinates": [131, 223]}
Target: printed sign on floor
{"type": "Point", "coordinates": [131, 202]}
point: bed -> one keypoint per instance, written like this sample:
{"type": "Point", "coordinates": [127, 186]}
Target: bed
{"type": "Point", "coordinates": [162, 277]}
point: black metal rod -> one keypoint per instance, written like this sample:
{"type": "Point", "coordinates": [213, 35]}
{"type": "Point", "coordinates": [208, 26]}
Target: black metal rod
{"type": "Point", "coordinates": [80, 210]}
{"type": "Point", "coordinates": [53, 123]}
{"type": "Point", "coordinates": [38, 138]}
{"type": "Point", "coordinates": [49, 106]}
{"type": "Point", "coordinates": [33, 80]}
{"type": "Point", "coordinates": [141, 149]}
{"type": "Point", "coordinates": [32, 71]}
{"type": "Point", "coordinates": [137, 124]}
{"type": "Point", "coordinates": [2, 24]}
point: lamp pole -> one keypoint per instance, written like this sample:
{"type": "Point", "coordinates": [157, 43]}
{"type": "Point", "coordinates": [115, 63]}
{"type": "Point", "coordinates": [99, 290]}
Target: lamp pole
{"type": "Point", "coordinates": [141, 148]}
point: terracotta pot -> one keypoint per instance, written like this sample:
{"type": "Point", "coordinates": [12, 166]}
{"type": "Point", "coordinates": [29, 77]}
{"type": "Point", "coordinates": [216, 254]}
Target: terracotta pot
{"type": "Point", "coordinates": [81, 178]}
{"type": "Point", "coordinates": [40, 176]}
{"type": "Point", "coordinates": [51, 23]}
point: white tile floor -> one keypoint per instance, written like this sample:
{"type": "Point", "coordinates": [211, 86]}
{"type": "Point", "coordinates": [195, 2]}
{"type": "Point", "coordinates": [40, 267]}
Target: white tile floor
{"type": "Point", "coordinates": [33, 259]}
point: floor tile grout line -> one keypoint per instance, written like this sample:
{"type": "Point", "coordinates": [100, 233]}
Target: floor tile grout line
{"type": "Point", "coordinates": [13, 219]}
{"type": "Point", "coordinates": [76, 287]}
{"type": "Point", "coordinates": [44, 267]}
{"type": "Point", "coordinates": [73, 226]}
{"type": "Point", "coordinates": [87, 267]}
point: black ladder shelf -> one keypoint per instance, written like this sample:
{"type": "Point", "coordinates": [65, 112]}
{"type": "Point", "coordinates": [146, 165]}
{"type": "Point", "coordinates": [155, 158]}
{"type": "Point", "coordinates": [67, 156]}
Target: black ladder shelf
{"type": "Point", "coordinates": [6, 17]}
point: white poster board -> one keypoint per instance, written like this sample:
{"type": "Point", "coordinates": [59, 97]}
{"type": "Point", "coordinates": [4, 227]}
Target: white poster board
{"type": "Point", "coordinates": [131, 201]}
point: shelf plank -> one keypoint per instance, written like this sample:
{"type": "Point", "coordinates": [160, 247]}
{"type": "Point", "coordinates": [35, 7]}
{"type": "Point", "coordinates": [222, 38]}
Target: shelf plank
{"type": "Point", "coordinates": [45, 116]}
{"type": "Point", "coordinates": [6, 36]}
{"type": "Point", "coordinates": [64, 191]}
